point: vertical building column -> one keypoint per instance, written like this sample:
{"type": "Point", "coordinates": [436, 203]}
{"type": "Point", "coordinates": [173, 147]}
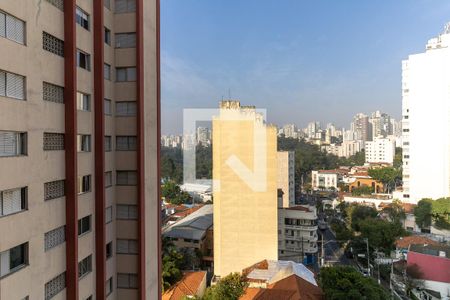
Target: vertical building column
{"type": "Point", "coordinates": [158, 135]}
{"type": "Point", "coordinates": [70, 112]}
{"type": "Point", "coordinates": [140, 145]}
{"type": "Point", "coordinates": [99, 142]}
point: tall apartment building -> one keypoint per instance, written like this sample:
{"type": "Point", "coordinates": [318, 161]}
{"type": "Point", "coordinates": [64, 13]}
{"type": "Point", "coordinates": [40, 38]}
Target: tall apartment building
{"type": "Point", "coordinates": [380, 150]}
{"type": "Point", "coordinates": [79, 139]}
{"type": "Point", "coordinates": [381, 124]}
{"type": "Point", "coordinates": [245, 188]}
{"type": "Point", "coordinates": [362, 127]}
{"type": "Point", "coordinates": [426, 121]}
{"type": "Point", "coordinates": [286, 177]}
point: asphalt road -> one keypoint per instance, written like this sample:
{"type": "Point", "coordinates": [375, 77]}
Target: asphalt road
{"type": "Point", "coordinates": [333, 253]}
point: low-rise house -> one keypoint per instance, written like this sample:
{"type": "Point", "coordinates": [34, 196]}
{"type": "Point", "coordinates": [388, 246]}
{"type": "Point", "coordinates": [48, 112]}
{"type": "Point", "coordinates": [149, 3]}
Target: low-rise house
{"type": "Point", "coordinates": [327, 179]}
{"type": "Point", "coordinates": [433, 266]}
{"type": "Point", "coordinates": [297, 233]}
{"type": "Point", "coordinates": [191, 285]}
{"type": "Point", "coordinates": [403, 244]}
{"type": "Point", "coordinates": [280, 280]}
{"type": "Point", "coordinates": [200, 192]}
{"type": "Point", "coordinates": [377, 201]}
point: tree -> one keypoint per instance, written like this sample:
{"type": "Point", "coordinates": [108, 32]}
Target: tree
{"type": "Point", "coordinates": [173, 194]}
{"type": "Point", "coordinates": [441, 213]}
{"type": "Point", "coordinates": [362, 190]}
{"type": "Point", "coordinates": [398, 158]}
{"type": "Point", "coordinates": [356, 213]}
{"type": "Point", "coordinates": [381, 234]}
{"type": "Point", "coordinates": [388, 176]}
{"type": "Point", "coordinates": [231, 287]}
{"type": "Point", "coordinates": [395, 211]}
{"type": "Point", "coordinates": [172, 261]}
{"type": "Point", "coordinates": [345, 283]}
{"type": "Point", "coordinates": [423, 212]}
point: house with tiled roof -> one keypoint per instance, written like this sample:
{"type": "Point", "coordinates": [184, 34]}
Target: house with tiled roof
{"type": "Point", "coordinates": [402, 244]}
{"type": "Point", "coordinates": [192, 284]}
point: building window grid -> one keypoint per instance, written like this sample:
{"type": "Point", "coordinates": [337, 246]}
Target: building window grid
{"type": "Point", "coordinates": [108, 179]}
{"type": "Point", "coordinates": [83, 143]}
{"type": "Point", "coordinates": [126, 143]}
{"type": "Point", "coordinates": [12, 28]}
{"type": "Point", "coordinates": [54, 238]}
{"type": "Point", "coordinates": [108, 214]}
{"type": "Point", "coordinates": [126, 178]}
{"type": "Point", "coordinates": [125, 246]}
{"type": "Point", "coordinates": [57, 3]}
{"type": "Point", "coordinates": [125, 74]}
{"type": "Point", "coordinates": [52, 44]}
{"type": "Point", "coordinates": [83, 60]}
{"type": "Point", "coordinates": [54, 189]}
{"type": "Point", "coordinates": [55, 286]}
{"type": "Point", "coordinates": [83, 101]}
{"type": "Point", "coordinates": [13, 201]}
{"type": "Point", "coordinates": [52, 92]}
{"type": "Point", "coordinates": [125, 6]}
{"type": "Point", "coordinates": [12, 85]}
{"type": "Point", "coordinates": [125, 40]}
{"type": "Point", "coordinates": [53, 141]}
{"type": "Point", "coordinates": [84, 225]}
{"type": "Point", "coordinates": [126, 212]}
{"type": "Point", "coordinates": [85, 267]}
{"type": "Point", "coordinates": [108, 143]}
{"type": "Point", "coordinates": [84, 184]}
{"type": "Point", "coordinates": [107, 71]}
{"type": "Point", "coordinates": [13, 259]}
{"type": "Point", "coordinates": [13, 143]}
{"type": "Point", "coordinates": [108, 107]}
{"type": "Point", "coordinates": [126, 108]}
{"type": "Point", "coordinates": [127, 281]}
{"type": "Point", "coordinates": [82, 18]}
{"type": "Point", "coordinates": [109, 286]}
{"type": "Point", "coordinates": [107, 35]}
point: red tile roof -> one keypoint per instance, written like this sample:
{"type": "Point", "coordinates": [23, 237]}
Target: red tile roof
{"type": "Point", "coordinates": [431, 267]}
{"type": "Point", "coordinates": [406, 241]}
{"type": "Point", "coordinates": [289, 288]}
{"type": "Point", "coordinates": [188, 286]}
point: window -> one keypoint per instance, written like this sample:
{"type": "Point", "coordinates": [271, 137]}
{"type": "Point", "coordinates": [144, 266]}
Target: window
{"type": "Point", "coordinates": [126, 178]}
{"type": "Point", "coordinates": [126, 109]}
{"type": "Point", "coordinates": [126, 74]}
{"type": "Point", "coordinates": [52, 44]}
{"type": "Point", "coordinates": [85, 266]}
{"type": "Point", "coordinates": [125, 40]}
{"type": "Point", "coordinates": [57, 3]}
{"type": "Point", "coordinates": [108, 179]}
{"type": "Point", "coordinates": [109, 286]}
{"type": "Point", "coordinates": [12, 28]}
{"type": "Point", "coordinates": [405, 130]}
{"type": "Point", "coordinates": [109, 250]}
{"type": "Point", "coordinates": [84, 225]}
{"type": "Point", "coordinates": [52, 93]}
{"type": "Point", "coordinates": [12, 85]}
{"type": "Point", "coordinates": [83, 101]}
{"type": "Point", "coordinates": [107, 35]}
{"type": "Point", "coordinates": [54, 286]}
{"type": "Point", "coordinates": [53, 141]}
{"type": "Point", "coordinates": [82, 18]}
{"type": "Point", "coordinates": [54, 189]}
{"type": "Point", "coordinates": [126, 143]}
{"type": "Point", "coordinates": [13, 201]}
{"type": "Point", "coordinates": [54, 238]}
{"type": "Point", "coordinates": [83, 143]}
{"type": "Point", "coordinates": [84, 184]}
{"type": "Point", "coordinates": [124, 6]}
{"type": "Point", "coordinates": [108, 214]}
{"type": "Point", "coordinates": [13, 143]}
{"type": "Point", "coordinates": [83, 60]}
{"type": "Point", "coordinates": [108, 143]}
{"type": "Point", "coordinates": [107, 107]}
{"type": "Point", "coordinates": [126, 212]}
{"type": "Point", "coordinates": [13, 259]}
{"type": "Point", "coordinates": [107, 71]}
{"type": "Point", "coordinates": [127, 281]}
{"type": "Point", "coordinates": [127, 246]}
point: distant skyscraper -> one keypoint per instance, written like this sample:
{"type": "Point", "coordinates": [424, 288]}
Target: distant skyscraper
{"type": "Point", "coordinates": [290, 131]}
{"type": "Point", "coordinates": [312, 129]}
{"type": "Point", "coordinates": [203, 136]}
{"type": "Point", "coordinates": [426, 121]}
{"type": "Point", "coordinates": [362, 127]}
{"type": "Point", "coordinates": [286, 177]}
{"type": "Point", "coordinates": [381, 124]}
{"type": "Point", "coordinates": [245, 207]}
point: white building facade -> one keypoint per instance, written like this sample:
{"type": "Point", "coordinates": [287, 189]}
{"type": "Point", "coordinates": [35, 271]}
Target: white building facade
{"type": "Point", "coordinates": [426, 121]}
{"type": "Point", "coordinates": [380, 150]}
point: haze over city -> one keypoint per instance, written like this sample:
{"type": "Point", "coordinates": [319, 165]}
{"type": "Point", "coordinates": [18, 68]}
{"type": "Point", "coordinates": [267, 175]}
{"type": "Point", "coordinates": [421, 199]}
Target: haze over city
{"type": "Point", "coordinates": [318, 61]}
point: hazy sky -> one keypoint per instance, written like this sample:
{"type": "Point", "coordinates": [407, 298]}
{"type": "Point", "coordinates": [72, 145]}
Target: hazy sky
{"type": "Point", "coordinates": [322, 60]}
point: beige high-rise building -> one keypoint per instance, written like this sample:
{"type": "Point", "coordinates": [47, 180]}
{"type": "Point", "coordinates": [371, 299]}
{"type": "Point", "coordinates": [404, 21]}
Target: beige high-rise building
{"type": "Point", "coordinates": [245, 189]}
{"type": "Point", "coordinates": [79, 142]}
{"type": "Point", "coordinates": [286, 177]}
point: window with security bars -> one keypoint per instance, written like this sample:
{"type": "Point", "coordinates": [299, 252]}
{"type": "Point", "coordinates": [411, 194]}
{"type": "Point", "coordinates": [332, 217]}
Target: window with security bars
{"type": "Point", "coordinates": [84, 184]}
{"type": "Point", "coordinates": [84, 225]}
{"type": "Point", "coordinates": [83, 143]}
{"type": "Point", "coordinates": [127, 246]}
{"type": "Point", "coordinates": [82, 18]}
{"type": "Point", "coordinates": [13, 259]}
{"type": "Point", "coordinates": [83, 101]}
{"type": "Point", "coordinates": [108, 143]}
{"type": "Point", "coordinates": [52, 92]}
{"type": "Point", "coordinates": [108, 214]}
{"type": "Point", "coordinates": [126, 109]}
{"type": "Point", "coordinates": [127, 281]}
{"type": "Point", "coordinates": [13, 201]}
{"type": "Point", "coordinates": [57, 3]}
{"type": "Point", "coordinates": [52, 44]}
{"type": "Point", "coordinates": [54, 238]}
{"type": "Point", "coordinates": [12, 28]}
{"type": "Point", "coordinates": [126, 212]}
{"type": "Point", "coordinates": [85, 266]}
{"type": "Point", "coordinates": [126, 178]}
{"type": "Point", "coordinates": [108, 107]}
{"type": "Point", "coordinates": [53, 141]}
{"type": "Point", "coordinates": [126, 143]}
{"type": "Point", "coordinates": [12, 85]}
{"type": "Point", "coordinates": [54, 189]}
{"type": "Point", "coordinates": [83, 60]}
{"type": "Point", "coordinates": [55, 286]}
{"type": "Point", "coordinates": [124, 74]}
{"type": "Point", "coordinates": [107, 71]}
{"type": "Point", "coordinates": [108, 179]}
{"type": "Point", "coordinates": [13, 143]}
{"type": "Point", "coordinates": [125, 6]}
{"type": "Point", "coordinates": [125, 40]}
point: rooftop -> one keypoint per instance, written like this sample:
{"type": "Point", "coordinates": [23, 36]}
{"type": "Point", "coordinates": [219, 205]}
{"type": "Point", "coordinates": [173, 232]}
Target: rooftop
{"type": "Point", "coordinates": [407, 241]}
{"type": "Point", "coordinates": [187, 286]}
{"type": "Point", "coordinates": [432, 249]}
{"type": "Point", "coordinates": [194, 226]}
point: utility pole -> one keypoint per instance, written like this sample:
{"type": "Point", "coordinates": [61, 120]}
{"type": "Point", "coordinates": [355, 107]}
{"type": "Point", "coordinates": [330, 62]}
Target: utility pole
{"type": "Point", "coordinates": [368, 260]}
{"type": "Point", "coordinates": [322, 259]}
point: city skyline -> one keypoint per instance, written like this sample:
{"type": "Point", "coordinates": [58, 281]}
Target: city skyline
{"type": "Point", "coordinates": [283, 59]}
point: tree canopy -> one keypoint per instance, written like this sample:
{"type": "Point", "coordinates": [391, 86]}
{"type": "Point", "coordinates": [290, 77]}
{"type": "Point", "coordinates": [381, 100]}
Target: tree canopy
{"type": "Point", "coordinates": [381, 234]}
{"type": "Point", "coordinates": [231, 287]}
{"type": "Point", "coordinates": [388, 176]}
{"type": "Point", "coordinates": [428, 211]}
{"type": "Point", "coordinates": [395, 211]}
{"type": "Point", "coordinates": [173, 194]}
{"type": "Point", "coordinates": [345, 283]}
